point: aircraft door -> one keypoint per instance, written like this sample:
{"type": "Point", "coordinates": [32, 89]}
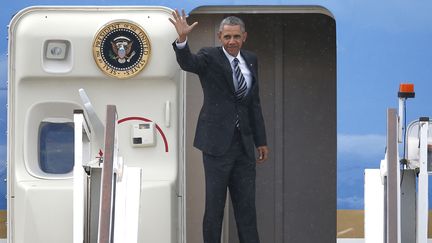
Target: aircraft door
{"type": "Point", "coordinates": [296, 50]}
{"type": "Point", "coordinates": [120, 56]}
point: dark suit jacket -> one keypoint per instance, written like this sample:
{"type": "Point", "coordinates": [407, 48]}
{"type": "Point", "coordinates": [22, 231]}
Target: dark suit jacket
{"type": "Point", "coordinates": [216, 122]}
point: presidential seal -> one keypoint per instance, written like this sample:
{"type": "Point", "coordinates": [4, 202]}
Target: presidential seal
{"type": "Point", "coordinates": [121, 49]}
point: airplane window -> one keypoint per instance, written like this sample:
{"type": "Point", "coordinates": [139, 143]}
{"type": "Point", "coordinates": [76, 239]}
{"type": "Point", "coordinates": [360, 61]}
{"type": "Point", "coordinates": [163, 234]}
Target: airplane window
{"type": "Point", "coordinates": [56, 147]}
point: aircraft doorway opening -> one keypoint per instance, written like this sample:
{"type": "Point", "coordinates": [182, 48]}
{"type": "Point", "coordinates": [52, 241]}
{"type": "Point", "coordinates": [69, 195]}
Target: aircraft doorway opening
{"type": "Point", "coordinates": [296, 188]}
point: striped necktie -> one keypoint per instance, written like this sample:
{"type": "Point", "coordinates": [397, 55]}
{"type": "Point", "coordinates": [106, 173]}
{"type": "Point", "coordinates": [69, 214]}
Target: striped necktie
{"type": "Point", "coordinates": [242, 87]}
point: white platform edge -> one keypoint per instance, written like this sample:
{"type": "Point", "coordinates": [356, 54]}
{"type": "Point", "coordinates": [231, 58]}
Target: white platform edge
{"type": "Point", "coordinates": [347, 240]}
{"type": "Point", "coordinates": [374, 206]}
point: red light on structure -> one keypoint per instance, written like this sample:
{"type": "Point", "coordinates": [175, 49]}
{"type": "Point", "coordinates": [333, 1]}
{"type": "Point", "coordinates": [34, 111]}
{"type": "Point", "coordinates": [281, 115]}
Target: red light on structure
{"type": "Point", "coordinates": [406, 88]}
{"type": "Point", "coordinates": [406, 91]}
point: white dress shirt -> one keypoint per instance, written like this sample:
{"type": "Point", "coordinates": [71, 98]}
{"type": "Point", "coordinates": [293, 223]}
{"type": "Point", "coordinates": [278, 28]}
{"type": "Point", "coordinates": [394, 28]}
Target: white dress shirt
{"type": "Point", "coordinates": [243, 67]}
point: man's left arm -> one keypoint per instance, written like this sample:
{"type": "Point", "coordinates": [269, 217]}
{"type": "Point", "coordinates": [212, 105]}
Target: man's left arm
{"type": "Point", "coordinates": [258, 126]}
{"type": "Point", "coordinates": [259, 131]}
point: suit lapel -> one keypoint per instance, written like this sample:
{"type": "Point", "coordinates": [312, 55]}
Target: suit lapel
{"type": "Point", "coordinates": [252, 69]}
{"type": "Point", "coordinates": [250, 66]}
{"type": "Point", "coordinates": [227, 69]}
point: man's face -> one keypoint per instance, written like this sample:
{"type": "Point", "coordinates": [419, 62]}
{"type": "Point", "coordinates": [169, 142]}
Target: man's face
{"type": "Point", "coordinates": [232, 38]}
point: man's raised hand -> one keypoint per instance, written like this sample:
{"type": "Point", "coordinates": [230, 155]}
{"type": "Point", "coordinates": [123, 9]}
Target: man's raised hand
{"type": "Point", "coordinates": [181, 25]}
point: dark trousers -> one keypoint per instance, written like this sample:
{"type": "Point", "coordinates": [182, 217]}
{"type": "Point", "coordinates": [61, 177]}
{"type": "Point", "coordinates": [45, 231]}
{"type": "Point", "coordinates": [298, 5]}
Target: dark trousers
{"type": "Point", "coordinates": [236, 171]}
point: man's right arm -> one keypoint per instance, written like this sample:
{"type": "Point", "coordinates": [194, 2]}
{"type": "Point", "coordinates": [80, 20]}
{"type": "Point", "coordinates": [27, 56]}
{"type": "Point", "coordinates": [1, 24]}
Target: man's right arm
{"type": "Point", "coordinates": [187, 61]}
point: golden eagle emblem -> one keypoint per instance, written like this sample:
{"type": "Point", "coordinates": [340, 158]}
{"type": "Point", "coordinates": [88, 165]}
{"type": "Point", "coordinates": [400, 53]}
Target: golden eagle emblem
{"type": "Point", "coordinates": [122, 46]}
{"type": "Point", "coordinates": [121, 49]}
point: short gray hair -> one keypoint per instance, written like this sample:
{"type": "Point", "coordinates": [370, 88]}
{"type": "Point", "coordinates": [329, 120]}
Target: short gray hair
{"type": "Point", "coordinates": [232, 20]}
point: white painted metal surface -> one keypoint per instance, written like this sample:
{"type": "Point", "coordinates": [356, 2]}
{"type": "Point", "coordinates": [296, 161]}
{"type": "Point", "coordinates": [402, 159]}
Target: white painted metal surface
{"type": "Point", "coordinates": [359, 240]}
{"type": "Point", "coordinates": [401, 113]}
{"type": "Point", "coordinates": [422, 191]}
{"type": "Point", "coordinates": [127, 206]}
{"type": "Point", "coordinates": [80, 135]}
{"type": "Point", "coordinates": [340, 240]}
{"type": "Point", "coordinates": [374, 206]}
{"type": "Point", "coordinates": [40, 204]}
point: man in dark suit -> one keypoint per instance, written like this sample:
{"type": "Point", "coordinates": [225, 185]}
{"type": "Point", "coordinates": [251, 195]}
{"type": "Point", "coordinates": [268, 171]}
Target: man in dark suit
{"type": "Point", "coordinates": [230, 124]}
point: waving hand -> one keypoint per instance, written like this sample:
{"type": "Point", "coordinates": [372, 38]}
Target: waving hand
{"type": "Point", "coordinates": [181, 25]}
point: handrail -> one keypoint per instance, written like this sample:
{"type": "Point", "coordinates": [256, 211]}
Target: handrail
{"type": "Point", "coordinates": [392, 223]}
{"type": "Point", "coordinates": [106, 212]}
{"type": "Point", "coordinates": [81, 138]}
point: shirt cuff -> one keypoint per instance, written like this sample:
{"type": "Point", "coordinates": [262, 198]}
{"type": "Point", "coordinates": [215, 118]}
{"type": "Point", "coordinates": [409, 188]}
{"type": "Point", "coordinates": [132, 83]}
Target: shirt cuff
{"type": "Point", "coordinates": [181, 45]}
